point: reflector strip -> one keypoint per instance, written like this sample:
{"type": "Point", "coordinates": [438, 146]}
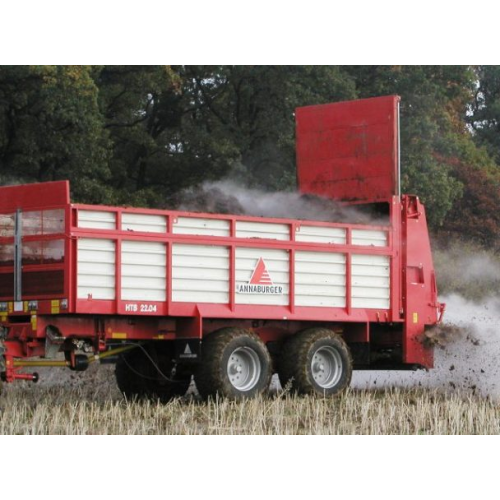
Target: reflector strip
{"type": "Point", "coordinates": [54, 306]}
{"type": "Point", "coordinates": [33, 322]}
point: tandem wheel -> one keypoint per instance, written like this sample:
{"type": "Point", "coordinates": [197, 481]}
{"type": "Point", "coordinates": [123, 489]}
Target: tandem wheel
{"type": "Point", "coordinates": [315, 361]}
{"type": "Point", "coordinates": [236, 364]}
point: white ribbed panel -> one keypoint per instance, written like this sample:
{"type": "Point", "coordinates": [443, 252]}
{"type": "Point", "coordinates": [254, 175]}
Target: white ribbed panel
{"type": "Point", "coordinates": [96, 268]}
{"type": "Point", "coordinates": [369, 238]}
{"type": "Point", "coordinates": [144, 271]}
{"type": "Point", "coordinates": [144, 222]}
{"type": "Point", "coordinates": [320, 234]}
{"type": "Point", "coordinates": [200, 273]}
{"type": "Point", "coordinates": [370, 281]}
{"type": "Point", "coordinates": [202, 227]}
{"type": "Point", "coordinates": [320, 279]}
{"type": "Point", "coordinates": [278, 267]}
{"type": "Point", "coordinates": [7, 225]}
{"type": "Point", "coordinates": [94, 219]}
{"type": "Point", "coordinates": [268, 230]}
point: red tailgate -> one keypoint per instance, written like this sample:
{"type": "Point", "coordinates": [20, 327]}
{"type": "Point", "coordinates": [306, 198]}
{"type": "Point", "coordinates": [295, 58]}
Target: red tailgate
{"type": "Point", "coordinates": [349, 151]}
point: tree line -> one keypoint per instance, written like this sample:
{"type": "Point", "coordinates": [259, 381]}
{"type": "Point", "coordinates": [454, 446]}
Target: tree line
{"type": "Point", "coordinates": [138, 135]}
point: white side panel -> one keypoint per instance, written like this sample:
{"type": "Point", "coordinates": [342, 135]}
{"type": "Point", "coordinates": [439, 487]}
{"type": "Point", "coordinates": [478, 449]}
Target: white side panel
{"type": "Point", "coordinates": [278, 267]}
{"type": "Point", "coordinates": [96, 268]}
{"type": "Point", "coordinates": [144, 222]}
{"type": "Point", "coordinates": [200, 273]}
{"type": "Point", "coordinates": [93, 219]}
{"type": "Point", "coordinates": [319, 234]}
{"type": "Point", "coordinates": [267, 230]}
{"type": "Point", "coordinates": [144, 271]}
{"type": "Point", "coordinates": [320, 279]}
{"type": "Point", "coordinates": [202, 227]}
{"type": "Point", "coordinates": [369, 238]}
{"type": "Point", "coordinates": [371, 281]}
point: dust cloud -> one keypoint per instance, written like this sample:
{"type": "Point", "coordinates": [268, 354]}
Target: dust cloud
{"type": "Point", "coordinates": [231, 197]}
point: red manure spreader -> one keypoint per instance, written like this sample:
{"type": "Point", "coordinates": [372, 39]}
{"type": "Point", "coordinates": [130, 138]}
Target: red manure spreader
{"type": "Point", "coordinates": [229, 299]}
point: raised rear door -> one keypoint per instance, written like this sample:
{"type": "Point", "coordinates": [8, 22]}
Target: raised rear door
{"type": "Point", "coordinates": [349, 151]}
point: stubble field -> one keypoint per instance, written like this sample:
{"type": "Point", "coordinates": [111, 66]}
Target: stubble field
{"type": "Point", "coordinates": [80, 410]}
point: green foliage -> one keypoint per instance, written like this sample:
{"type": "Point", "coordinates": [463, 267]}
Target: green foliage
{"type": "Point", "coordinates": [431, 180]}
{"type": "Point", "coordinates": [140, 108]}
{"type": "Point", "coordinates": [51, 128]}
{"type": "Point", "coordinates": [245, 114]}
{"type": "Point", "coordinates": [140, 134]}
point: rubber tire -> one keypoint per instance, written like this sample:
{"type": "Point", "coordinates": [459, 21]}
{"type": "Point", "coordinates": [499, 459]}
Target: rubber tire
{"type": "Point", "coordinates": [295, 362]}
{"type": "Point", "coordinates": [211, 376]}
{"type": "Point", "coordinates": [151, 385]}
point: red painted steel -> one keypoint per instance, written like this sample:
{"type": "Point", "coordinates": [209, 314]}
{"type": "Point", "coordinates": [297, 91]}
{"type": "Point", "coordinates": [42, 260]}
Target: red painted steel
{"type": "Point", "coordinates": [29, 196]}
{"type": "Point", "coordinates": [348, 151]}
{"type": "Point", "coordinates": [421, 306]}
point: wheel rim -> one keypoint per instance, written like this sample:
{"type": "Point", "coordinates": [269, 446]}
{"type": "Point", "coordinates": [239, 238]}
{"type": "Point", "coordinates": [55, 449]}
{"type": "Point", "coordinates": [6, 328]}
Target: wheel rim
{"type": "Point", "coordinates": [244, 368]}
{"type": "Point", "coordinates": [326, 367]}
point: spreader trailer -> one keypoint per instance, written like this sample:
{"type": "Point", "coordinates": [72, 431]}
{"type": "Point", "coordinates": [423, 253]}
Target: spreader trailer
{"type": "Point", "coordinates": [229, 299]}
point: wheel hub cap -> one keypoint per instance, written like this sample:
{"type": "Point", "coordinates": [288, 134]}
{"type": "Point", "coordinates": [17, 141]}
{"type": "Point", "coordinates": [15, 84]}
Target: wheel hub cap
{"type": "Point", "coordinates": [326, 367]}
{"type": "Point", "coordinates": [244, 368]}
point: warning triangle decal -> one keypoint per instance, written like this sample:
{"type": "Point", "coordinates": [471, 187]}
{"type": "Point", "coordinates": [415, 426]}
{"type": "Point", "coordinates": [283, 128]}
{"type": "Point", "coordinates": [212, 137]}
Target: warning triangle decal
{"type": "Point", "coordinates": [260, 274]}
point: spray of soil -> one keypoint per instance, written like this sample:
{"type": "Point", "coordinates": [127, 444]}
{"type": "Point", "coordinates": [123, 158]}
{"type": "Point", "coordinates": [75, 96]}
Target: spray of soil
{"type": "Point", "coordinates": [467, 355]}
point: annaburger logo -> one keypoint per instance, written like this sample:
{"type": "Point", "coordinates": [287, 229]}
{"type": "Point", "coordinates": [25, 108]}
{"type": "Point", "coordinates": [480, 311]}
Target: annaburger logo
{"type": "Point", "coordinates": [260, 282]}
